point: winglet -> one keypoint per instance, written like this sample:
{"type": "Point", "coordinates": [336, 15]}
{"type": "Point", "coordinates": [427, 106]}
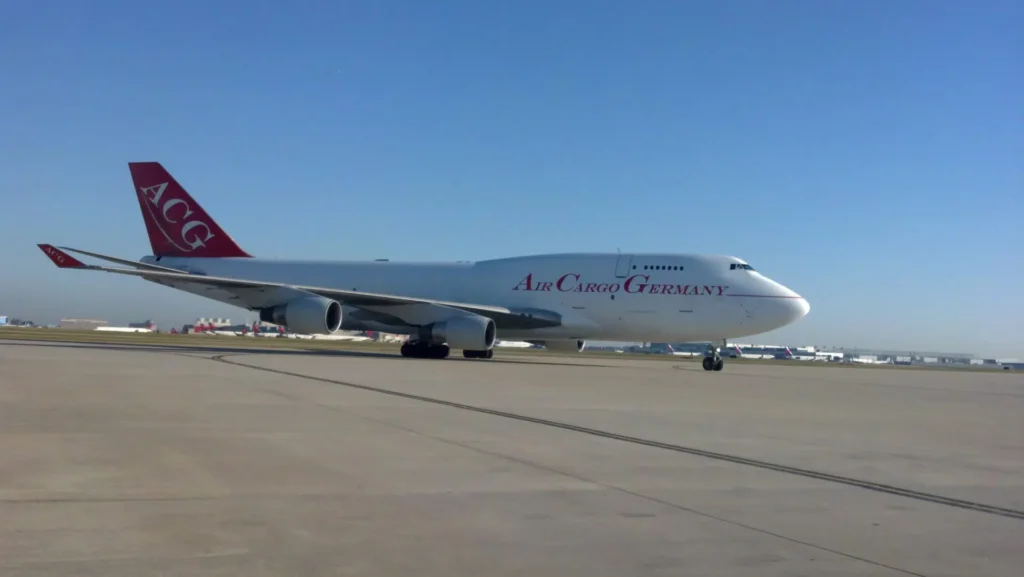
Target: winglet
{"type": "Point", "coordinates": [61, 258]}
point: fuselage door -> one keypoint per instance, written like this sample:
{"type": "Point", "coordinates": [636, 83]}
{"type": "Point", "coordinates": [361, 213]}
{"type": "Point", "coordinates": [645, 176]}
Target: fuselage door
{"type": "Point", "coordinates": [622, 265]}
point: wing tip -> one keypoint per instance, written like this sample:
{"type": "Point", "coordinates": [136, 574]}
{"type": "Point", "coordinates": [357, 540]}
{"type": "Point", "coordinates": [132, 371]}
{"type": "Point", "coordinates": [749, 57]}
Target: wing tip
{"type": "Point", "coordinates": [59, 257]}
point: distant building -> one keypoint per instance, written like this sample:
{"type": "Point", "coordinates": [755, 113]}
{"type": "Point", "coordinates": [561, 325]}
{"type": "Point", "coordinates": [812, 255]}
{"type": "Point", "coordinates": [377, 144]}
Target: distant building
{"type": "Point", "coordinates": [15, 322]}
{"type": "Point", "coordinates": [81, 324]}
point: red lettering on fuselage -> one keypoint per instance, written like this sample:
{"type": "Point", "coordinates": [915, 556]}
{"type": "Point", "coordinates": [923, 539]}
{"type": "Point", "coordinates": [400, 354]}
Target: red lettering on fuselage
{"type": "Point", "coordinates": [526, 284]}
{"type": "Point", "coordinates": [629, 285]}
{"type": "Point", "coordinates": [635, 284]}
{"type": "Point", "coordinates": [560, 284]}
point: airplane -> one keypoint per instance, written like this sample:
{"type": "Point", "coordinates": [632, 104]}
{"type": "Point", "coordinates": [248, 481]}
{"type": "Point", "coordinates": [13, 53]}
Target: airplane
{"type": "Point", "coordinates": [559, 301]}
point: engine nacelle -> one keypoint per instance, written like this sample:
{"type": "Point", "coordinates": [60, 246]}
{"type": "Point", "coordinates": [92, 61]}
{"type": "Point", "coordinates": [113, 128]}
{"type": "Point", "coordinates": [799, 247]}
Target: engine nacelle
{"type": "Point", "coordinates": [466, 332]}
{"type": "Point", "coordinates": [563, 346]}
{"type": "Point", "coordinates": [309, 315]}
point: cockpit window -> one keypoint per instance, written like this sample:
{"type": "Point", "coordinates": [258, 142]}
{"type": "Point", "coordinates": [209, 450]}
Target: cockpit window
{"type": "Point", "coordinates": [740, 266]}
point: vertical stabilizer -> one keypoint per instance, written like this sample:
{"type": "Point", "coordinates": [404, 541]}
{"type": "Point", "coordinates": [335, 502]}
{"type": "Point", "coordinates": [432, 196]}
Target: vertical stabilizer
{"type": "Point", "coordinates": [176, 224]}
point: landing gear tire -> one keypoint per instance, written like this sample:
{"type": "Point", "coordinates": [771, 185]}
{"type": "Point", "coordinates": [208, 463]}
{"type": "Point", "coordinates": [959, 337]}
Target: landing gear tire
{"type": "Point", "coordinates": [712, 359]}
{"type": "Point", "coordinates": [713, 363]}
{"type": "Point", "coordinates": [425, 351]}
{"type": "Point", "coordinates": [478, 354]}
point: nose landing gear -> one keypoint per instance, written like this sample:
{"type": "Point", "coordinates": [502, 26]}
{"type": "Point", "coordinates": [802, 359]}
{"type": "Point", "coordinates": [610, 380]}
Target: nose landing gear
{"type": "Point", "coordinates": [712, 359]}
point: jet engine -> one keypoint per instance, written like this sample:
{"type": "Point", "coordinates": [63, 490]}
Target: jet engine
{"type": "Point", "coordinates": [466, 332]}
{"type": "Point", "coordinates": [563, 346]}
{"type": "Point", "coordinates": [311, 315]}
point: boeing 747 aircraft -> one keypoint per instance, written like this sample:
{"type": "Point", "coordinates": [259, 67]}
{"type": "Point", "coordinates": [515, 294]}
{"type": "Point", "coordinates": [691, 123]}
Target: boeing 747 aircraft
{"type": "Point", "coordinates": [557, 300]}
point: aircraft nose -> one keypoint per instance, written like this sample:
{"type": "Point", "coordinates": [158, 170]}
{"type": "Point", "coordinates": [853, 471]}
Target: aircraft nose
{"type": "Point", "coordinates": [782, 311]}
{"type": "Point", "coordinates": [787, 306]}
{"type": "Point", "coordinates": [770, 305]}
{"type": "Point", "coordinates": [798, 308]}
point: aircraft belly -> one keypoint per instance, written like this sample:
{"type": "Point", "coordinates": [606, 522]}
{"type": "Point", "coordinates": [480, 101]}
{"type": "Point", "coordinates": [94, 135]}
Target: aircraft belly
{"type": "Point", "coordinates": [355, 319]}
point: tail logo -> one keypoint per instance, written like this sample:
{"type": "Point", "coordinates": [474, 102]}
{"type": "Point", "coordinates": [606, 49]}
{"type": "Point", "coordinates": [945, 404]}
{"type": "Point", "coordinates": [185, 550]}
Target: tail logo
{"type": "Point", "coordinates": [170, 213]}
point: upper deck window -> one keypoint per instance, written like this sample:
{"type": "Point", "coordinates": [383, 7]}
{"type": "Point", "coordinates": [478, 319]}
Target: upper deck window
{"type": "Point", "coordinates": [661, 267]}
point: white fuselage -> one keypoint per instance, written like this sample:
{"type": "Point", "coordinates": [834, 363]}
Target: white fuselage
{"type": "Point", "coordinates": [639, 297]}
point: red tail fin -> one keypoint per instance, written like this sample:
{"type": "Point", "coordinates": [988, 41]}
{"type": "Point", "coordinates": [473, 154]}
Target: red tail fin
{"type": "Point", "coordinates": [176, 224]}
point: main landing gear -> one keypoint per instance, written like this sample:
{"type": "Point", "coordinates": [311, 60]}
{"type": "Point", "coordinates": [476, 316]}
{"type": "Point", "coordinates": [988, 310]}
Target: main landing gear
{"type": "Point", "coordinates": [712, 359]}
{"type": "Point", "coordinates": [427, 350]}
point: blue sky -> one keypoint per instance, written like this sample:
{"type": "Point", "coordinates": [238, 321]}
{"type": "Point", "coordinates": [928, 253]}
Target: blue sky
{"type": "Point", "coordinates": [866, 153]}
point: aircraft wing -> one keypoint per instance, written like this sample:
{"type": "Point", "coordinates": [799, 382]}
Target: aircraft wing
{"type": "Point", "coordinates": [258, 294]}
{"type": "Point", "coordinates": [124, 261]}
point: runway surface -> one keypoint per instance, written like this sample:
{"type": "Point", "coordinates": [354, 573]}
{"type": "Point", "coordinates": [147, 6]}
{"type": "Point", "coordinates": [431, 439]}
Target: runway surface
{"type": "Point", "coordinates": [134, 461]}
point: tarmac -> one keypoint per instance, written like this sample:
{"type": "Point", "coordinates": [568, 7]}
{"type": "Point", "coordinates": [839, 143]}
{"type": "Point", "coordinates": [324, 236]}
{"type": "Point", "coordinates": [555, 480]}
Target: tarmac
{"type": "Point", "coordinates": [121, 461]}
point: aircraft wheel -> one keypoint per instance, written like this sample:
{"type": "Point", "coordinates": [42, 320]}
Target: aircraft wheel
{"type": "Point", "coordinates": [439, 352]}
{"type": "Point", "coordinates": [708, 363]}
{"type": "Point", "coordinates": [719, 364]}
{"type": "Point", "coordinates": [406, 350]}
{"type": "Point", "coordinates": [490, 353]}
